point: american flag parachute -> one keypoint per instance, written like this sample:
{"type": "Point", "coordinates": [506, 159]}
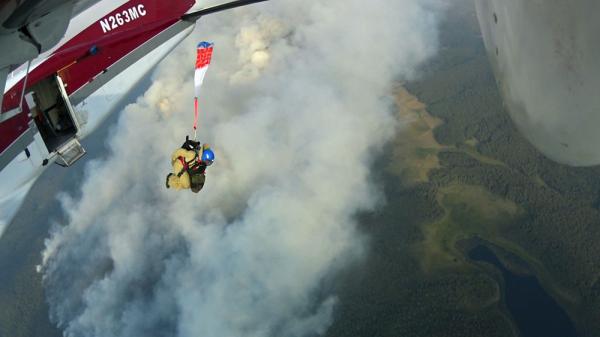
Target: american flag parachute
{"type": "Point", "coordinates": [203, 56]}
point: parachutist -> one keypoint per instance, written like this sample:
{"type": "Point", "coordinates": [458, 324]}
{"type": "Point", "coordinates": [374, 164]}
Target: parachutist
{"type": "Point", "coordinates": [189, 166]}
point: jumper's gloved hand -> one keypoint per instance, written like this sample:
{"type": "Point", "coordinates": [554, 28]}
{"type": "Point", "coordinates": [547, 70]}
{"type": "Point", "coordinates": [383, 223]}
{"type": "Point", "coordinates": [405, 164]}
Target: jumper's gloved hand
{"type": "Point", "coordinates": [190, 144]}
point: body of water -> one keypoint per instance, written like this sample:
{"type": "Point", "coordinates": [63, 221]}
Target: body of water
{"type": "Point", "coordinates": [534, 311]}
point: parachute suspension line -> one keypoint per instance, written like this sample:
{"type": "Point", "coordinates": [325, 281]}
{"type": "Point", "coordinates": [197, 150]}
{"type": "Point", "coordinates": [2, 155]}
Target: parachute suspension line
{"type": "Point", "coordinates": [195, 116]}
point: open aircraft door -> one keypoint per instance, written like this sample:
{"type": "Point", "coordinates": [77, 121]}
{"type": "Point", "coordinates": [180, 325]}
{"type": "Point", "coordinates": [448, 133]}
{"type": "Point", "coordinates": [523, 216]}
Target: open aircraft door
{"type": "Point", "coordinates": [72, 150]}
{"type": "Point", "coordinates": [56, 120]}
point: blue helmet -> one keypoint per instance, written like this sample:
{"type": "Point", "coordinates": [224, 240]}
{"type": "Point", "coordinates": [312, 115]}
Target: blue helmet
{"type": "Point", "coordinates": [208, 156]}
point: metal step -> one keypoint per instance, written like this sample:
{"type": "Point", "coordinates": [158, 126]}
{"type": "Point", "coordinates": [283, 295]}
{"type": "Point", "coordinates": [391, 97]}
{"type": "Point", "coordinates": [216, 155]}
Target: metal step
{"type": "Point", "coordinates": [69, 153]}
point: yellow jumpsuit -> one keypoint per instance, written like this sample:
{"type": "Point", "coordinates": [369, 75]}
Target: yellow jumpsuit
{"type": "Point", "coordinates": [183, 181]}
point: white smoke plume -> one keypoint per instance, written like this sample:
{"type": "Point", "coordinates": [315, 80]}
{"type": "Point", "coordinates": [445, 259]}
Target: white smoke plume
{"type": "Point", "coordinates": [296, 105]}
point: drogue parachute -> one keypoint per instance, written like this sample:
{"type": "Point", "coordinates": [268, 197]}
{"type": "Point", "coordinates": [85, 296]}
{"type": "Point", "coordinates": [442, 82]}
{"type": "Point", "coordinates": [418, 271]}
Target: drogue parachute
{"type": "Point", "coordinates": [203, 56]}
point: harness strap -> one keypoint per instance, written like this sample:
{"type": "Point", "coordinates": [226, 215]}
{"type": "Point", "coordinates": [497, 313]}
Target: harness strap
{"type": "Point", "coordinates": [195, 162]}
{"type": "Point", "coordinates": [185, 166]}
